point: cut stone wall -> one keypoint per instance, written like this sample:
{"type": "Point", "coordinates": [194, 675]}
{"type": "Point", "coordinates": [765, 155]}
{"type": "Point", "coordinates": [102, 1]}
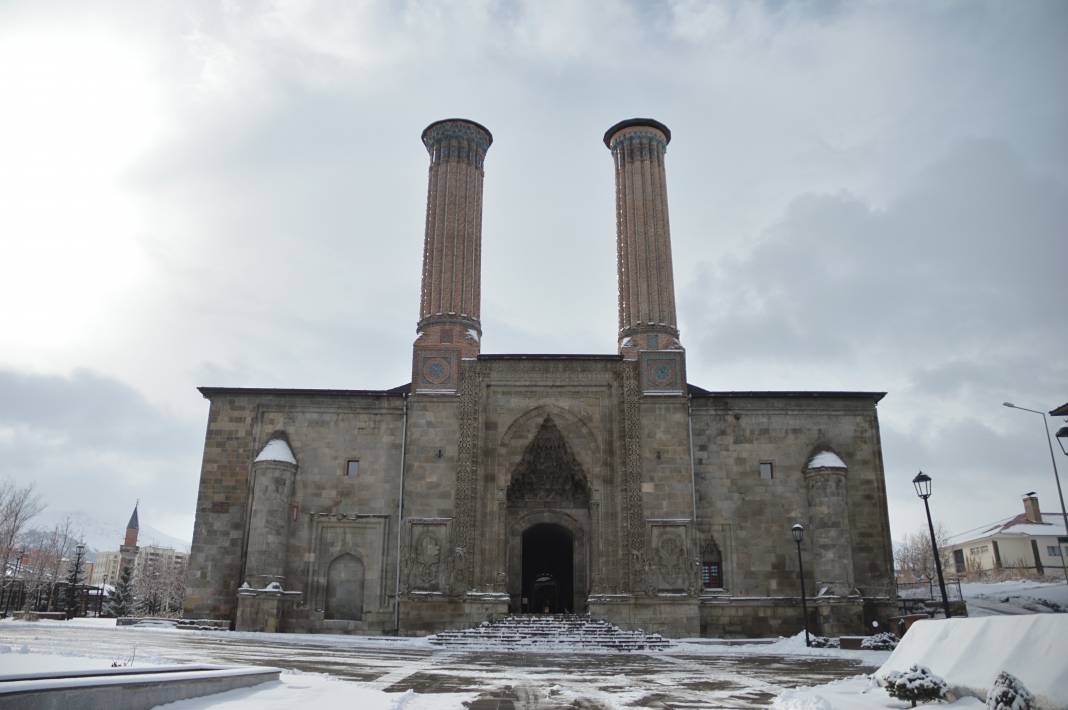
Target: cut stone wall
{"type": "Point", "coordinates": [455, 549]}
{"type": "Point", "coordinates": [733, 435]}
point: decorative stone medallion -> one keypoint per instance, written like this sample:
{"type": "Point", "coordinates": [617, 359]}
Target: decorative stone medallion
{"type": "Point", "coordinates": [435, 370]}
{"type": "Point", "coordinates": [662, 372]}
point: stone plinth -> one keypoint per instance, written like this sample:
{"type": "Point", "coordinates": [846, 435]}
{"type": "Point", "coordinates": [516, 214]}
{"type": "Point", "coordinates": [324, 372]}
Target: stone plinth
{"type": "Point", "coordinates": [262, 609]}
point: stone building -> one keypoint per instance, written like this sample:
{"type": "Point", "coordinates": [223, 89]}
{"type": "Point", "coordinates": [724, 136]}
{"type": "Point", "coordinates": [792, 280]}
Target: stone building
{"type": "Point", "coordinates": [490, 484]}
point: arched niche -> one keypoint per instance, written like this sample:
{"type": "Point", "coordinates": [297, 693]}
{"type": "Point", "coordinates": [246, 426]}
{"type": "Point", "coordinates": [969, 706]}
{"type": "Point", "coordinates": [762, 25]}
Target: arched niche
{"type": "Point", "coordinates": [344, 588]}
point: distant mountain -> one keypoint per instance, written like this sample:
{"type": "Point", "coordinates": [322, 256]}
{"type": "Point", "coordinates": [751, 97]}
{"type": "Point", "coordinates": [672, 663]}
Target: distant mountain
{"type": "Point", "coordinates": [101, 537]}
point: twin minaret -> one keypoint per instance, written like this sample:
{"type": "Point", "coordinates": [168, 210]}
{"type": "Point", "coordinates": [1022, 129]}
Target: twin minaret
{"type": "Point", "coordinates": [449, 328]}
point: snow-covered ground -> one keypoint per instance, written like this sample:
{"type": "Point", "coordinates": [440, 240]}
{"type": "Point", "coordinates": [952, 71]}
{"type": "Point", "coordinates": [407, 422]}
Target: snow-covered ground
{"type": "Point", "coordinates": [1015, 597]}
{"type": "Point", "coordinates": [378, 672]}
{"type": "Point", "coordinates": [374, 672]}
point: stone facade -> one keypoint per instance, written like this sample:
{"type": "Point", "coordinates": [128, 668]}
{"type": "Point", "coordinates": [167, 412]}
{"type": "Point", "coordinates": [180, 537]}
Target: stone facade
{"type": "Point", "coordinates": [495, 483]}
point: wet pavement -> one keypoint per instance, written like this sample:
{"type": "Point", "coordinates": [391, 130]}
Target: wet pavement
{"type": "Point", "coordinates": [716, 677]}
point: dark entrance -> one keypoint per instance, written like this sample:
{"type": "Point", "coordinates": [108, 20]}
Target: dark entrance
{"type": "Point", "coordinates": [548, 569]}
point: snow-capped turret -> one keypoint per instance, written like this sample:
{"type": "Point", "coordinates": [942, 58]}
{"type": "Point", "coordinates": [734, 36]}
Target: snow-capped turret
{"type": "Point", "coordinates": [277, 449]}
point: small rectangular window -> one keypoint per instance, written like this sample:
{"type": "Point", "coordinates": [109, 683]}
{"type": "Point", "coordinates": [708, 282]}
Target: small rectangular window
{"type": "Point", "coordinates": [1053, 551]}
{"type": "Point", "coordinates": [766, 472]}
{"type": "Point", "coordinates": [352, 469]}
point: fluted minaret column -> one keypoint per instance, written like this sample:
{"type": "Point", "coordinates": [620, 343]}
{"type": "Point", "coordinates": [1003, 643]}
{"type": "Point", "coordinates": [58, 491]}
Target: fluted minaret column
{"type": "Point", "coordinates": [643, 238]}
{"type": "Point", "coordinates": [449, 304]}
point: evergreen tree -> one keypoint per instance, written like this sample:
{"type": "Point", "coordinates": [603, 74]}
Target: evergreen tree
{"type": "Point", "coordinates": [121, 601]}
{"type": "Point", "coordinates": [74, 581]}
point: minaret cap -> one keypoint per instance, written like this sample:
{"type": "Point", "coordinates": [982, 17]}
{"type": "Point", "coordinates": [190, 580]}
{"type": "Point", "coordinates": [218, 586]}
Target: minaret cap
{"type": "Point", "coordinates": [132, 525]}
{"type": "Point", "coordinates": [632, 122]}
{"type": "Point", "coordinates": [475, 124]}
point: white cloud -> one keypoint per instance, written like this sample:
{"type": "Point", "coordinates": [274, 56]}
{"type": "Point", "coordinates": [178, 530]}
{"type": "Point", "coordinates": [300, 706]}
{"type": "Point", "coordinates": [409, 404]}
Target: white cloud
{"type": "Point", "coordinates": [862, 195]}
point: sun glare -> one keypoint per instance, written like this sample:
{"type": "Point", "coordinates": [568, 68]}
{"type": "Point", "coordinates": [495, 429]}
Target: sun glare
{"type": "Point", "coordinates": [78, 111]}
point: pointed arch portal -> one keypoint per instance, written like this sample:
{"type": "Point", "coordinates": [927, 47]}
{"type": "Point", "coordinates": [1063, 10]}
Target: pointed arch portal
{"type": "Point", "coordinates": [548, 581]}
{"type": "Point", "coordinates": [548, 504]}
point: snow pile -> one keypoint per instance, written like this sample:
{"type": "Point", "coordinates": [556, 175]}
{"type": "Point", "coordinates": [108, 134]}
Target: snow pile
{"type": "Point", "coordinates": [277, 450]}
{"type": "Point", "coordinates": [826, 459]}
{"type": "Point", "coordinates": [970, 653]}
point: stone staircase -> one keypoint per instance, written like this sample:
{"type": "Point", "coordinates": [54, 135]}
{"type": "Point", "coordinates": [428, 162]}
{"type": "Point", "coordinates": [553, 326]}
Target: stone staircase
{"type": "Point", "coordinates": [549, 632]}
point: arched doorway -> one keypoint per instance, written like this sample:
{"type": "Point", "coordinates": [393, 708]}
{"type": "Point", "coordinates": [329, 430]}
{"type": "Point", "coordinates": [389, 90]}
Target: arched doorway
{"type": "Point", "coordinates": [548, 580]}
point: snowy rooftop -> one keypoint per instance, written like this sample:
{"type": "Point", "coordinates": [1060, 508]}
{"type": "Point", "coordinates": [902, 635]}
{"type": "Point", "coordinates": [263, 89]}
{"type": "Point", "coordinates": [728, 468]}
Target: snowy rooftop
{"type": "Point", "coordinates": [277, 450]}
{"type": "Point", "coordinates": [826, 459]}
{"type": "Point", "coordinates": [1052, 524]}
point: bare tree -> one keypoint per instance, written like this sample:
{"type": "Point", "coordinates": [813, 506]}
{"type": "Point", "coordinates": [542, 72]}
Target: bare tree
{"type": "Point", "coordinates": [18, 504]}
{"type": "Point", "coordinates": [914, 557]}
{"type": "Point", "coordinates": [43, 562]}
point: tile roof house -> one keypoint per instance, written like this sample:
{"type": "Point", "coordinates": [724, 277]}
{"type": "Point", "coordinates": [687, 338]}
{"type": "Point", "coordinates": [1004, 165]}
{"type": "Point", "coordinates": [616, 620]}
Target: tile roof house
{"type": "Point", "coordinates": [1031, 542]}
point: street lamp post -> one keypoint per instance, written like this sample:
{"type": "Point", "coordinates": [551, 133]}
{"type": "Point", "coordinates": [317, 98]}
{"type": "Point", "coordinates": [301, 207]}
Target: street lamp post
{"type": "Point", "coordinates": [11, 585]}
{"type": "Point", "coordinates": [798, 531]}
{"type": "Point", "coordinates": [922, 482]}
{"type": "Point", "coordinates": [1056, 476]}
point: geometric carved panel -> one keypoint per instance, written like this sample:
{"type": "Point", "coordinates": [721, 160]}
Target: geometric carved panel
{"type": "Point", "coordinates": [662, 371]}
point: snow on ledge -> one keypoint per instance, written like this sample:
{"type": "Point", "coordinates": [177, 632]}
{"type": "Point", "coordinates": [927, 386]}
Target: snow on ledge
{"type": "Point", "coordinates": [826, 459]}
{"type": "Point", "coordinates": [277, 450]}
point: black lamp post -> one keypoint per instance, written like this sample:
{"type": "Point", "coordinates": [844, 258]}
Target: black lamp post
{"type": "Point", "coordinates": [11, 585]}
{"type": "Point", "coordinates": [798, 531]}
{"type": "Point", "coordinates": [74, 579]}
{"type": "Point", "coordinates": [1056, 476]}
{"type": "Point", "coordinates": [922, 482]}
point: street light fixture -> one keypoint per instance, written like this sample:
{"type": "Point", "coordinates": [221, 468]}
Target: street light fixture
{"type": "Point", "coordinates": [798, 531]}
{"type": "Point", "coordinates": [1062, 439]}
{"type": "Point", "coordinates": [1062, 434]}
{"type": "Point", "coordinates": [19, 554]}
{"type": "Point", "coordinates": [922, 482]}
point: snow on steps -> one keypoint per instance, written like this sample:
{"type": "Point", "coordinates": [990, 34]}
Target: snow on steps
{"type": "Point", "coordinates": [533, 631]}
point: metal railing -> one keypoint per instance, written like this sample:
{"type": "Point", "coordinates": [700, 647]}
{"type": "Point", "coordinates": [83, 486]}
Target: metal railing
{"type": "Point", "coordinates": [927, 590]}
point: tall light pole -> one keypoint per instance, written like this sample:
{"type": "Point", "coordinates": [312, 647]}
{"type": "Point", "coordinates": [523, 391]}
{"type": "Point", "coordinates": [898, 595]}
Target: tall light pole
{"type": "Point", "coordinates": [1056, 477]}
{"type": "Point", "coordinates": [922, 482]}
{"type": "Point", "coordinates": [11, 585]}
{"type": "Point", "coordinates": [798, 531]}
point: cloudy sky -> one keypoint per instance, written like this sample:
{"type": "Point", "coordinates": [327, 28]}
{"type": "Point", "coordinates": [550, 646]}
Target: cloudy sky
{"type": "Point", "coordinates": [863, 196]}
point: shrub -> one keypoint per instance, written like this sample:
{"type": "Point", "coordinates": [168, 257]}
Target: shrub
{"type": "Point", "coordinates": [885, 641]}
{"type": "Point", "coordinates": [917, 684]}
{"type": "Point", "coordinates": [822, 642]}
{"type": "Point", "coordinates": [1008, 693]}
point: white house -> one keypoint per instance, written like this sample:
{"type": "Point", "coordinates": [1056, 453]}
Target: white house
{"type": "Point", "coordinates": [1031, 542]}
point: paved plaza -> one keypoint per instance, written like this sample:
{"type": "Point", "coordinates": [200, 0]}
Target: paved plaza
{"type": "Point", "coordinates": [691, 676]}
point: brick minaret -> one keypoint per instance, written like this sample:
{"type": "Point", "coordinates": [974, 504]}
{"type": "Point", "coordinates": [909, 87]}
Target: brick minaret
{"type": "Point", "coordinates": [643, 238]}
{"type": "Point", "coordinates": [128, 549]}
{"type": "Point", "coordinates": [449, 327]}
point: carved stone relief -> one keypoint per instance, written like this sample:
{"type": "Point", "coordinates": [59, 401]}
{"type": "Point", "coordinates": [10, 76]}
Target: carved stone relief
{"type": "Point", "coordinates": [466, 480]}
{"type": "Point", "coordinates": [633, 519]}
{"type": "Point", "coordinates": [426, 556]}
{"type": "Point", "coordinates": [672, 565]}
{"type": "Point", "coordinates": [548, 475]}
